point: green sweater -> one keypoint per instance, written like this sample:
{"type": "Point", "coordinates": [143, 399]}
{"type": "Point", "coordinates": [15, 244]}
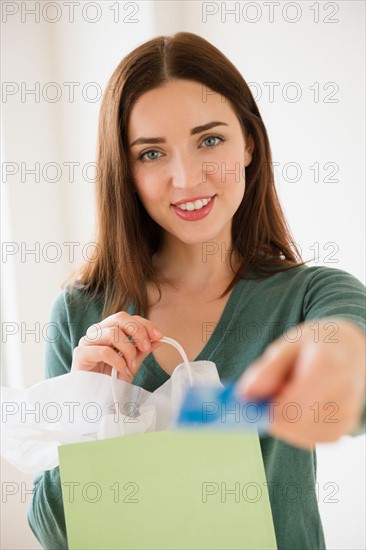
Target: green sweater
{"type": "Point", "coordinates": [257, 312]}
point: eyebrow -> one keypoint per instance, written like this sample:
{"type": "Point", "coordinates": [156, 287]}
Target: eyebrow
{"type": "Point", "coordinates": [196, 130]}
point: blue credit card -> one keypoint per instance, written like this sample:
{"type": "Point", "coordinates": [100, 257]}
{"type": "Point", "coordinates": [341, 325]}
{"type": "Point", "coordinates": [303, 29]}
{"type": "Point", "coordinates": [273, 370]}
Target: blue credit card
{"type": "Point", "coordinates": [221, 408]}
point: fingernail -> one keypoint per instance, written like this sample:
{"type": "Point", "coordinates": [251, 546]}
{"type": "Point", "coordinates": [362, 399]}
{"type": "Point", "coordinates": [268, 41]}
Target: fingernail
{"type": "Point", "coordinates": [249, 379]}
{"type": "Point", "coordinates": [133, 364]}
{"type": "Point", "coordinates": [146, 344]}
{"type": "Point", "coordinates": [157, 333]}
{"type": "Point", "coordinates": [271, 352]}
{"type": "Point", "coordinates": [129, 373]}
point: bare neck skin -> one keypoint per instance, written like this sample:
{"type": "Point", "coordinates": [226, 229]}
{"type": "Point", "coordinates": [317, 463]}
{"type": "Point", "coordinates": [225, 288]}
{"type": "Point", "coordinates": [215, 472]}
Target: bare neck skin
{"type": "Point", "coordinates": [194, 268]}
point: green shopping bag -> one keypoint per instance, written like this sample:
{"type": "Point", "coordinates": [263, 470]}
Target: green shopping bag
{"type": "Point", "coordinates": [181, 489]}
{"type": "Point", "coordinates": [169, 489]}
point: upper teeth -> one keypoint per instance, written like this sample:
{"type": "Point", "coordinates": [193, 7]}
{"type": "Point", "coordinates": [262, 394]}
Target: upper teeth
{"type": "Point", "coordinates": [196, 205]}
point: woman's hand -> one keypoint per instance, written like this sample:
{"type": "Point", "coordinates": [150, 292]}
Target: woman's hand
{"type": "Point", "coordinates": [315, 381]}
{"type": "Point", "coordinates": [121, 341]}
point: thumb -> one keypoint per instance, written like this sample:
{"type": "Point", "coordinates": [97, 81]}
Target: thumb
{"type": "Point", "coordinates": [141, 355]}
{"type": "Point", "coordinates": [267, 376]}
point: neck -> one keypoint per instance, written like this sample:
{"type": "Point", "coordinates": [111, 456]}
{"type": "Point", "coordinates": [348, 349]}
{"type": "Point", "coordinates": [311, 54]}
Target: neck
{"type": "Point", "coordinates": [194, 267]}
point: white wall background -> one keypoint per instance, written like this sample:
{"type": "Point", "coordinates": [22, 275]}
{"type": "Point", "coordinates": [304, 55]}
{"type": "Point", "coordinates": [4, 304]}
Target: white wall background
{"type": "Point", "coordinates": [316, 46]}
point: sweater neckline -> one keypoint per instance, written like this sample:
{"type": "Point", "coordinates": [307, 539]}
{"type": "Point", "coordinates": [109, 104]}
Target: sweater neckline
{"type": "Point", "coordinates": [218, 334]}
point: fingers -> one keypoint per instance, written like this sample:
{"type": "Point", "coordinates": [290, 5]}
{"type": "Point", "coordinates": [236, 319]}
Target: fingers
{"type": "Point", "coordinates": [268, 374]}
{"type": "Point", "coordinates": [130, 338]}
{"type": "Point", "coordinates": [112, 338]}
{"type": "Point", "coordinates": [284, 374]}
{"type": "Point", "coordinates": [104, 357]}
{"type": "Point", "coordinates": [306, 386]}
{"type": "Point", "coordinates": [130, 328]}
{"type": "Point", "coordinates": [313, 406]}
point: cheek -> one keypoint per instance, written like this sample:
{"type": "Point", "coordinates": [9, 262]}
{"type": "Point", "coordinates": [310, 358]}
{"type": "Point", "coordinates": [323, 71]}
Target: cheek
{"type": "Point", "coordinates": [149, 192]}
{"type": "Point", "coordinates": [147, 200]}
{"type": "Point", "coordinates": [143, 183]}
{"type": "Point", "coordinates": [231, 172]}
{"type": "Point", "coordinates": [153, 184]}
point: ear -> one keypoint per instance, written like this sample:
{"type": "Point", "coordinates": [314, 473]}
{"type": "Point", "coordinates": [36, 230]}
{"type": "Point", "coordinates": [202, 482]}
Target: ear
{"type": "Point", "coordinates": [249, 148]}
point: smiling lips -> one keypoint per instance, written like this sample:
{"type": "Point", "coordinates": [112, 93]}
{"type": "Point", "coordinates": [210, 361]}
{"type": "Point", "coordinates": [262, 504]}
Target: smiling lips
{"type": "Point", "coordinates": [193, 205]}
{"type": "Point", "coordinates": [194, 210]}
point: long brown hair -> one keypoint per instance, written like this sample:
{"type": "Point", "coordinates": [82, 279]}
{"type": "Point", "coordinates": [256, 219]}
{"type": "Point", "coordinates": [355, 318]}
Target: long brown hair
{"type": "Point", "coordinates": [126, 237]}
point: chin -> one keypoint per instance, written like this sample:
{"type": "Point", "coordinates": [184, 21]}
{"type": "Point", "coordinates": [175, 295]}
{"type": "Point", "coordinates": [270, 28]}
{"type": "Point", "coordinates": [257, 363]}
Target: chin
{"type": "Point", "coordinates": [200, 237]}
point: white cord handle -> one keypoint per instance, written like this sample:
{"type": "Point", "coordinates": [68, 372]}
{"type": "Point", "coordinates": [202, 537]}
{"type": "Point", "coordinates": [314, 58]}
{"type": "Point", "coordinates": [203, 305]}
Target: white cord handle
{"type": "Point", "coordinates": [167, 340]}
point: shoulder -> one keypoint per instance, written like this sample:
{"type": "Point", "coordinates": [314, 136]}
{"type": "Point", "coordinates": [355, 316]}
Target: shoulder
{"type": "Point", "coordinates": [74, 310]}
{"type": "Point", "coordinates": [313, 282]}
{"type": "Point", "coordinates": [336, 293]}
{"type": "Point", "coordinates": [326, 276]}
{"type": "Point", "coordinates": [308, 275]}
{"type": "Point", "coordinates": [73, 299]}
{"type": "Point", "coordinates": [305, 288]}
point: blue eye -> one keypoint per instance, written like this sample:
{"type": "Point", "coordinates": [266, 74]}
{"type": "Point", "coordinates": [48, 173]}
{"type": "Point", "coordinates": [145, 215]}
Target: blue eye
{"type": "Point", "coordinates": [141, 157]}
{"type": "Point", "coordinates": [214, 144]}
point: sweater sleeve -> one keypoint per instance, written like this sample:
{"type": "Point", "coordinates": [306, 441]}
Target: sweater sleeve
{"type": "Point", "coordinates": [46, 512]}
{"type": "Point", "coordinates": [335, 293]}
{"type": "Point", "coordinates": [338, 294]}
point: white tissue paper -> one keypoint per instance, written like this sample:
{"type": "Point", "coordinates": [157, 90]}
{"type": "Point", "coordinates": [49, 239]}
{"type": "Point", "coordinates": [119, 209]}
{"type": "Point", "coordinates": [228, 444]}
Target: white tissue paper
{"type": "Point", "coordinates": [79, 407]}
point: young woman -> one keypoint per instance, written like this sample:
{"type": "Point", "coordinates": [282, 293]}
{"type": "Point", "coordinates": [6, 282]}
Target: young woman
{"type": "Point", "coordinates": [192, 244]}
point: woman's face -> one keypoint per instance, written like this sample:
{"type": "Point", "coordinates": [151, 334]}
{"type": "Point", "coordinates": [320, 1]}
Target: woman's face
{"type": "Point", "coordinates": [177, 161]}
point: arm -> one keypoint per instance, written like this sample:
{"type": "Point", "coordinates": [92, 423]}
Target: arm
{"type": "Point", "coordinates": [336, 293]}
{"type": "Point", "coordinates": [316, 377]}
{"type": "Point", "coordinates": [46, 512]}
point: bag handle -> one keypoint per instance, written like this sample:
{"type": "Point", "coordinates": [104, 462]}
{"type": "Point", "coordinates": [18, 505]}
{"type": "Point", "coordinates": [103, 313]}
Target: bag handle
{"type": "Point", "coordinates": [167, 340]}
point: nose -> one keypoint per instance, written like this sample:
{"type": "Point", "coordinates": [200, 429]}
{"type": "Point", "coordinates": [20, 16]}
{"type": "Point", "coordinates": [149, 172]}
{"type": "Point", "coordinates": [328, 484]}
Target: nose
{"type": "Point", "coordinates": [185, 172]}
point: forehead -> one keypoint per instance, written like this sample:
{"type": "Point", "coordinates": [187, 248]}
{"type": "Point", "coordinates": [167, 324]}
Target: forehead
{"type": "Point", "coordinates": [182, 103]}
